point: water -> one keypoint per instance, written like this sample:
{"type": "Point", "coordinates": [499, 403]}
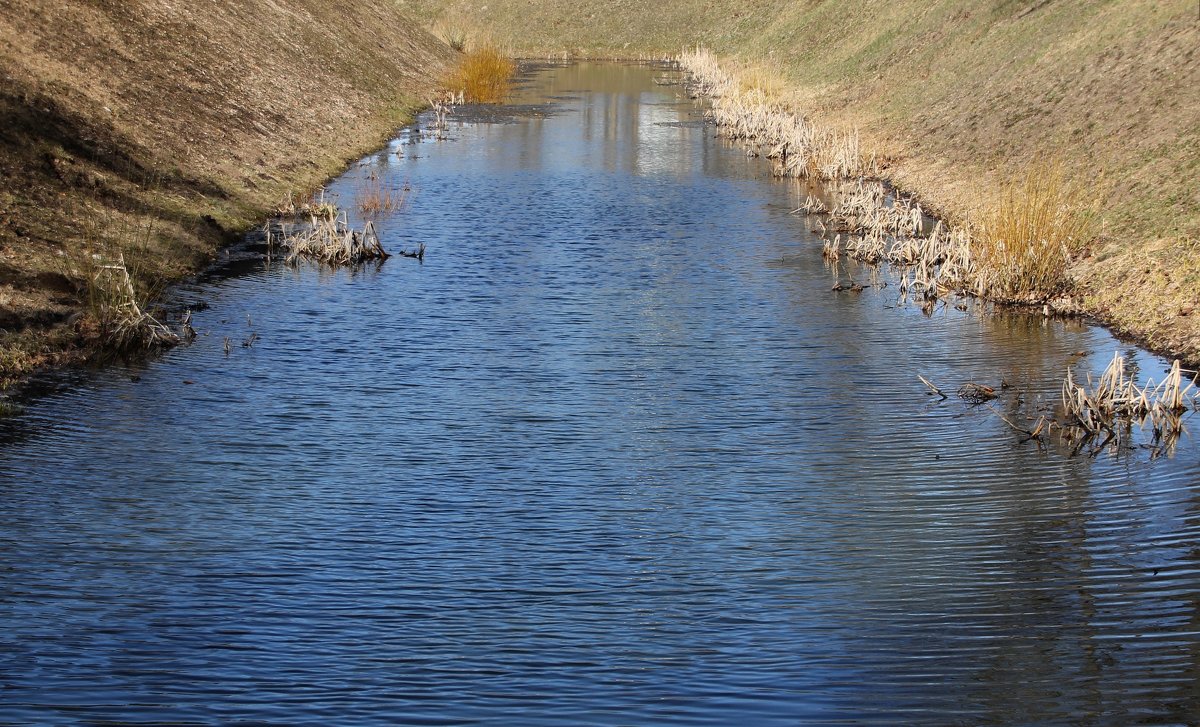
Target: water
{"type": "Point", "coordinates": [614, 454]}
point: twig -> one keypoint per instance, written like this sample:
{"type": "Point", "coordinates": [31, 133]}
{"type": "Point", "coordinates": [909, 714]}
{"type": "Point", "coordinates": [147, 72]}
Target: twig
{"type": "Point", "coordinates": [932, 389]}
{"type": "Point", "coordinates": [1010, 423]}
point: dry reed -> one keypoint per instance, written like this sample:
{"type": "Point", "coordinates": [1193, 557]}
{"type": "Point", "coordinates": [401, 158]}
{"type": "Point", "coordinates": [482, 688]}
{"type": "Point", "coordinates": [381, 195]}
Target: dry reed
{"type": "Point", "coordinates": [1043, 214]}
{"type": "Point", "coordinates": [749, 107]}
{"type": "Point", "coordinates": [483, 75]}
{"type": "Point", "coordinates": [1025, 242]}
{"type": "Point", "coordinates": [125, 326]}
{"type": "Point", "coordinates": [1019, 252]}
{"type": "Point", "coordinates": [374, 198]}
{"type": "Point", "coordinates": [1116, 398]}
{"type": "Point", "coordinates": [315, 203]}
{"type": "Point", "coordinates": [880, 226]}
{"type": "Point", "coordinates": [441, 113]}
{"type": "Point", "coordinates": [328, 238]}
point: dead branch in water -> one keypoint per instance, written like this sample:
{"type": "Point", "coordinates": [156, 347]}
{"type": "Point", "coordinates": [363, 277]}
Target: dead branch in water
{"type": "Point", "coordinates": [976, 393]}
{"type": "Point", "coordinates": [932, 389]}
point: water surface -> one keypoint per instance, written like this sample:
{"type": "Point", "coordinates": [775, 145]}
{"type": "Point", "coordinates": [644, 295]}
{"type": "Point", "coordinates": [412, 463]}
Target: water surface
{"type": "Point", "coordinates": [614, 454]}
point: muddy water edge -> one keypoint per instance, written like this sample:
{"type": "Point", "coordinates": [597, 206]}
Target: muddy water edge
{"type": "Point", "coordinates": [614, 452]}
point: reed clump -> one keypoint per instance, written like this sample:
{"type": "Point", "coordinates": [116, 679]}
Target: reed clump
{"type": "Point", "coordinates": [881, 226]}
{"type": "Point", "coordinates": [1025, 242]}
{"type": "Point", "coordinates": [438, 126]}
{"type": "Point", "coordinates": [484, 75]}
{"type": "Point", "coordinates": [1019, 252]}
{"type": "Point", "coordinates": [328, 238]}
{"type": "Point", "coordinates": [115, 293]}
{"type": "Point", "coordinates": [1115, 399]}
{"type": "Point", "coordinates": [124, 324]}
{"type": "Point", "coordinates": [294, 205]}
{"type": "Point", "coordinates": [1100, 412]}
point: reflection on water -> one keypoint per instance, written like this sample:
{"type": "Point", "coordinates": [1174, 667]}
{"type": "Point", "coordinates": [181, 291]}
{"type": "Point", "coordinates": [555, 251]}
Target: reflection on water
{"type": "Point", "coordinates": [614, 453]}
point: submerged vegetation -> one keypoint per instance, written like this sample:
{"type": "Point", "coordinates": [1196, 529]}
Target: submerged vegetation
{"type": "Point", "coordinates": [483, 75]}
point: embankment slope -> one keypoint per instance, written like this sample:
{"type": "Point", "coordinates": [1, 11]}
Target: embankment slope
{"type": "Point", "coordinates": [159, 129]}
{"type": "Point", "coordinates": [958, 96]}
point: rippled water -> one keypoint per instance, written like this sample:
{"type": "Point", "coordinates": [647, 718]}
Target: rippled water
{"type": "Point", "coordinates": [614, 454]}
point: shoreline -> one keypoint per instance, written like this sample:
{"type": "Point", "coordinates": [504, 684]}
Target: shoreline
{"type": "Point", "coordinates": [161, 136]}
{"type": "Point", "coordinates": [750, 124]}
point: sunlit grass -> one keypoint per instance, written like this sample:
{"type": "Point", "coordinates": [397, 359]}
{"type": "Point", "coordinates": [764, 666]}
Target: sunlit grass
{"type": "Point", "coordinates": [484, 75]}
{"type": "Point", "coordinates": [1026, 240]}
{"type": "Point", "coordinates": [749, 103]}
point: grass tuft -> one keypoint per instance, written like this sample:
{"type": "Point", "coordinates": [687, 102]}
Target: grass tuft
{"type": "Point", "coordinates": [484, 75]}
{"type": "Point", "coordinates": [117, 285]}
{"type": "Point", "coordinates": [374, 198]}
{"type": "Point", "coordinates": [125, 326]}
{"type": "Point", "coordinates": [451, 34]}
{"type": "Point", "coordinates": [1024, 243]}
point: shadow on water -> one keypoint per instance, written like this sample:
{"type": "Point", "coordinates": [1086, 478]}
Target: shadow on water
{"type": "Point", "coordinates": [614, 452]}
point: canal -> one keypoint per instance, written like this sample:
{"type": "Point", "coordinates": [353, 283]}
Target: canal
{"type": "Point", "coordinates": [613, 453]}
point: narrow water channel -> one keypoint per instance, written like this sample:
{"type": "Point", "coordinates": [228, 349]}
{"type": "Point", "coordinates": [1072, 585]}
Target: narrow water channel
{"type": "Point", "coordinates": [613, 454]}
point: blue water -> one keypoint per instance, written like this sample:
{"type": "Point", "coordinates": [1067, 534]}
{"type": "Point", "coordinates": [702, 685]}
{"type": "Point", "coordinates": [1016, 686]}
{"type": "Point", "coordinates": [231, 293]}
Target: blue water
{"type": "Point", "coordinates": [613, 454]}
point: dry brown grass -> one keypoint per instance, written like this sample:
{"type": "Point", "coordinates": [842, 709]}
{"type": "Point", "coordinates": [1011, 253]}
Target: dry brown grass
{"type": "Point", "coordinates": [1028, 238]}
{"type": "Point", "coordinates": [328, 238]}
{"type": "Point", "coordinates": [375, 198]}
{"type": "Point", "coordinates": [484, 75]}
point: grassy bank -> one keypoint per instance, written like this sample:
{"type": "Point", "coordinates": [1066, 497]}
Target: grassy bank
{"type": "Point", "coordinates": [957, 99]}
{"type": "Point", "coordinates": [157, 132]}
